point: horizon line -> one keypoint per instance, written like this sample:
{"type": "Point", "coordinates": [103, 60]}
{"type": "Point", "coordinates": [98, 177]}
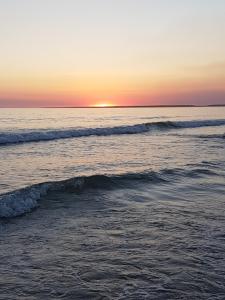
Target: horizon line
{"type": "Point", "coordinates": [120, 106]}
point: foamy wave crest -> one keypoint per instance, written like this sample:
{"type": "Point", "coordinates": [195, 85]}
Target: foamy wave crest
{"type": "Point", "coordinates": [36, 136]}
{"type": "Point", "coordinates": [48, 135]}
{"type": "Point", "coordinates": [24, 200]}
{"type": "Point", "coordinates": [21, 201]}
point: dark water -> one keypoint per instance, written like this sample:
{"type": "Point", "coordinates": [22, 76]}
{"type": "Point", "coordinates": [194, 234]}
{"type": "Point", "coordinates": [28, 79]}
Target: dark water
{"type": "Point", "coordinates": [143, 216]}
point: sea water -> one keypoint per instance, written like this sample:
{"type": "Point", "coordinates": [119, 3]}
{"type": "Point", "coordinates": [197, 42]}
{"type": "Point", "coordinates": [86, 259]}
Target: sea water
{"type": "Point", "coordinates": [112, 203]}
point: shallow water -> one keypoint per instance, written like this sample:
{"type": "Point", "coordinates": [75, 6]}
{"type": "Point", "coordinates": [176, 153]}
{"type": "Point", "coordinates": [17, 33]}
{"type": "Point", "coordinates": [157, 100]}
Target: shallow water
{"type": "Point", "coordinates": [149, 225]}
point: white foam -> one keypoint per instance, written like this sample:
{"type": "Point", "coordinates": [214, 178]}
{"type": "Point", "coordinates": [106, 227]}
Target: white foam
{"type": "Point", "coordinates": [13, 138]}
{"type": "Point", "coordinates": [21, 201]}
{"type": "Point", "coordinates": [48, 135]}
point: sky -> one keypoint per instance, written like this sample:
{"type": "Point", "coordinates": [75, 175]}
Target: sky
{"type": "Point", "coordinates": [112, 52]}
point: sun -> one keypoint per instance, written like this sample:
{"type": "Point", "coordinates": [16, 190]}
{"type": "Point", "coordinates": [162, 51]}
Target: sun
{"type": "Point", "coordinates": [105, 104]}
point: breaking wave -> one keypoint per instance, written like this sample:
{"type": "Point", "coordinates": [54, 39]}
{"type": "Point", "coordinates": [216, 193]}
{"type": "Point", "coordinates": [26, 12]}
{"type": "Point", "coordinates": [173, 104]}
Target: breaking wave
{"type": "Point", "coordinates": [48, 135]}
{"type": "Point", "coordinates": [21, 201]}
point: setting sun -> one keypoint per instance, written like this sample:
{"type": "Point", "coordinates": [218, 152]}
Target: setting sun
{"type": "Point", "coordinates": [103, 105]}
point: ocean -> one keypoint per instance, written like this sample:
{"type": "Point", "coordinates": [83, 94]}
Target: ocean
{"type": "Point", "coordinates": [112, 203]}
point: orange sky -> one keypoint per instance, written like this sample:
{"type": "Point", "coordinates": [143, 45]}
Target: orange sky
{"type": "Point", "coordinates": [84, 53]}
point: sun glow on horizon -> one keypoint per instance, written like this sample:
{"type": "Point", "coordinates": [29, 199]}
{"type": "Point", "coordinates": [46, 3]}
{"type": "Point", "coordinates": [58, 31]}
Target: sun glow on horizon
{"type": "Point", "coordinates": [105, 104]}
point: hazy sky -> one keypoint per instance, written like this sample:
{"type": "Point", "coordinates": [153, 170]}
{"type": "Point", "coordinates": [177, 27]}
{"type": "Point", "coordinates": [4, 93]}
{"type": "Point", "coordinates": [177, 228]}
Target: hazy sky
{"type": "Point", "coordinates": [122, 52]}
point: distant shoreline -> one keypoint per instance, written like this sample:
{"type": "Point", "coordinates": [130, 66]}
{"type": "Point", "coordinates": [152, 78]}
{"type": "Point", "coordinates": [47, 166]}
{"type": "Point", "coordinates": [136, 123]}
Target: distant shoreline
{"type": "Point", "coordinates": [138, 106]}
{"type": "Point", "coordinates": [122, 106]}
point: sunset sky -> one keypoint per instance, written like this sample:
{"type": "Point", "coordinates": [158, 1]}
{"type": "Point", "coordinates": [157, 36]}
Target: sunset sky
{"type": "Point", "coordinates": [113, 52]}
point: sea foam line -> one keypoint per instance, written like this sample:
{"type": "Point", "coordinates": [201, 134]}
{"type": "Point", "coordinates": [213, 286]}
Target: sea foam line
{"type": "Point", "coordinates": [48, 135]}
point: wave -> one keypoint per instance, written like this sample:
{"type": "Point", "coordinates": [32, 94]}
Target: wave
{"type": "Point", "coordinates": [48, 135]}
{"type": "Point", "coordinates": [24, 200]}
